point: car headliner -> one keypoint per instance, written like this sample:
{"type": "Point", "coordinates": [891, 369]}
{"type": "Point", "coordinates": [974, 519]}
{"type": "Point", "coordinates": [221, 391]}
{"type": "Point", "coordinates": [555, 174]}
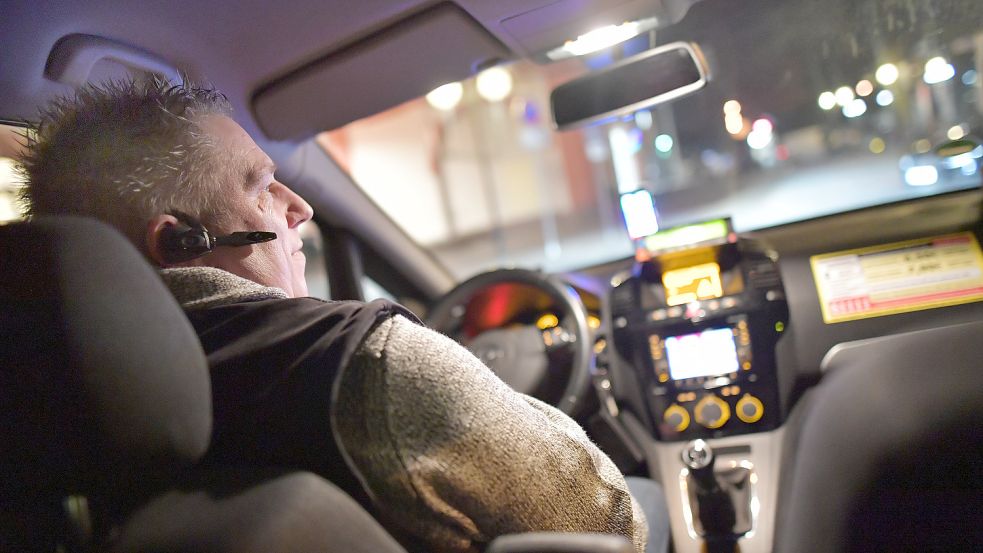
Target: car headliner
{"type": "Point", "coordinates": [236, 46]}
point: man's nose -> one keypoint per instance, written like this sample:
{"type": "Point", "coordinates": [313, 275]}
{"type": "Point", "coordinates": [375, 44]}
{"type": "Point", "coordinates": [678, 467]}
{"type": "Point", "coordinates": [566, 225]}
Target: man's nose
{"type": "Point", "coordinates": [298, 210]}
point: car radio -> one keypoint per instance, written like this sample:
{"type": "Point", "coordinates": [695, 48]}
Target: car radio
{"type": "Point", "coordinates": [699, 324]}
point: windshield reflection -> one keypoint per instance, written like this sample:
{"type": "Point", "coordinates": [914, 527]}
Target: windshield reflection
{"type": "Point", "coordinates": [814, 108]}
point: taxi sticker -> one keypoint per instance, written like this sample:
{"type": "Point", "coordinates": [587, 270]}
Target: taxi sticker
{"type": "Point", "coordinates": [899, 277]}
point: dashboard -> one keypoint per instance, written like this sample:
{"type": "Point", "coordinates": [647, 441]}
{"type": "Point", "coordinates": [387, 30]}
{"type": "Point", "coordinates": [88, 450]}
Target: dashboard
{"type": "Point", "coordinates": [727, 340]}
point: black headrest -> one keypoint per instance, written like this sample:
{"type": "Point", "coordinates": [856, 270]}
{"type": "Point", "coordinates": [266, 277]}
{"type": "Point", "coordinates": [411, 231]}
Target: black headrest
{"type": "Point", "coordinates": [100, 371]}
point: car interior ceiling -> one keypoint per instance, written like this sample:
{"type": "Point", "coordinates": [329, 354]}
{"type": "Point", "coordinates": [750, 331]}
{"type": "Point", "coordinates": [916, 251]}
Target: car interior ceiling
{"type": "Point", "coordinates": [831, 434]}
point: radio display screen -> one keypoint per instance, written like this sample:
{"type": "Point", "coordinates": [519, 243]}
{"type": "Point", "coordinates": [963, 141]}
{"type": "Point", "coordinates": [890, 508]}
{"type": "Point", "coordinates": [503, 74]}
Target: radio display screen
{"type": "Point", "coordinates": [711, 352]}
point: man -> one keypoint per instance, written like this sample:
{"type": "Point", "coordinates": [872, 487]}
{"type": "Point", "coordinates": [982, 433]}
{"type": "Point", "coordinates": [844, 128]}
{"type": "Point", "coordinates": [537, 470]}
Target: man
{"type": "Point", "coordinates": [401, 417]}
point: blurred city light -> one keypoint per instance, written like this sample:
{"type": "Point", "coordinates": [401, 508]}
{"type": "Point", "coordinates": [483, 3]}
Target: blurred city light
{"type": "Point", "coordinates": [446, 97]}
{"type": "Point", "coordinates": [921, 175]}
{"type": "Point", "coordinates": [762, 125]}
{"type": "Point", "coordinates": [663, 143]}
{"type": "Point", "coordinates": [856, 108]}
{"type": "Point", "coordinates": [877, 145]}
{"type": "Point", "coordinates": [734, 123]}
{"type": "Point", "coordinates": [887, 74]}
{"type": "Point", "coordinates": [938, 70]}
{"type": "Point", "coordinates": [922, 145]}
{"type": "Point", "coordinates": [601, 38]}
{"type": "Point", "coordinates": [643, 119]}
{"type": "Point", "coordinates": [969, 77]}
{"type": "Point", "coordinates": [827, 100]}
{"type": "Point", "coordinates": [844, 95]}
{"type": "Point", "coordinates": [955, 133]}
{"type": "Point", "coordinates": [494, 84]}
{"type": "Point", "coordinates": [967, 163]}
{"type": "Point", "coordinates": [623, 150]}
{"type": "Point", "coordinates": [639, 211]}
{"type": "Point", "coordinates": [732, 106]}
{"type": "Point", "coordinates": [864, 88]}
{"type": "Point", "coordinates": [636, 139]}
{"type": "Point", "coordinates": [884, 98]}
{"type": "Point", "coordinates": [759, 140]}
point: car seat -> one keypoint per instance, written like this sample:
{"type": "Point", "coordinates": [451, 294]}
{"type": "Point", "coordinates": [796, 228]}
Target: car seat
{"type": "Point", "coordinates": [106, 406]}
{"type": "Point", "coordinates": [105, 409]}
{"type": "Point", "coordinates": [890, 453]}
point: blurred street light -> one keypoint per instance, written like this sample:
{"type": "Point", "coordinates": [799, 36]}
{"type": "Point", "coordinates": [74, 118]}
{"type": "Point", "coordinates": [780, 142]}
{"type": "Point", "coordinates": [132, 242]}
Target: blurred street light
{"type": "Point", "coordinates": [446, 97]}
{"type": "Point", "coordinates": [938, 70]}
{"type": "Point", "coordinates": [856, 108]}
{"type": "Point", "coordinates": [844, 95]}
{"type": "Point", "coordinates": [494, 84]}
{"type": "Point", "coordinates": [884, 98]}
{"type": "Point", "coordinates": [887, 74]}
{"type": "Point", "coordinates": [734, 123]}
{"type": "Point", "coordinates": [663, 143]}
{"type": "Point", "coordinates": [732, 106]}
{"type": "Point", "coordinates": [864, 88]}
{"type": "Point", "coordinates": [827, 100]}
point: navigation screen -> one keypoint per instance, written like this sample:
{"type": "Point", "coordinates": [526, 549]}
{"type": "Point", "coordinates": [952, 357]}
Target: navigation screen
{"type": "Point", "coordinates": [708, 353]}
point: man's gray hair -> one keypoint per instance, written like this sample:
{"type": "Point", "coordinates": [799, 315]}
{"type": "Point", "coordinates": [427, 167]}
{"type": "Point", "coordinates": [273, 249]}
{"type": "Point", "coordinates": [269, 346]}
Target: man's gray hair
{"type": "Point", "coordinates": [123, 152]}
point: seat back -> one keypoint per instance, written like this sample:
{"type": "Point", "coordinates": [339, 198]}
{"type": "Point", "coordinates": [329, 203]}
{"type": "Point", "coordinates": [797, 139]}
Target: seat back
{"type": "Point", "coordinates": [103, 385]}
{"type": "Point", "coordinates": [889, 454]}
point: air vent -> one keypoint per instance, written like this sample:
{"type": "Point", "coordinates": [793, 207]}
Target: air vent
{"type": "Point", "coordinates": [622, 298]}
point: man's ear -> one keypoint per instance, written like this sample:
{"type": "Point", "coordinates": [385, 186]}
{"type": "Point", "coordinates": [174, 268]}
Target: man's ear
{"type": "Point", "coordinates": [156, 227]}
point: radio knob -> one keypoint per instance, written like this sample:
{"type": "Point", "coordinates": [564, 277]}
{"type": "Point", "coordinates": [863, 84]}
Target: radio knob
{"type": "Point", "coordinates": [712, 412]}
{"type": "Point", "coordinates": [750, 409]}
{"type": "Point", "coordinates": [677, 417]}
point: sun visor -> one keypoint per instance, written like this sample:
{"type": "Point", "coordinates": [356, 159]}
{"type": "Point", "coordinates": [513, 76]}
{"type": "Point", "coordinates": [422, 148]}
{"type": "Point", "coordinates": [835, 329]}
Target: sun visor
{"type": "Point", "coordinates": [403, 61]}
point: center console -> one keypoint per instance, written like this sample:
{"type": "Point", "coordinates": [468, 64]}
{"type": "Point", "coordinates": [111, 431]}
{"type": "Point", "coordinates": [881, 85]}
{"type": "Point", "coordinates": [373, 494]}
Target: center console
{"type": "Point", "coordinates": [699, 327]}
{"type": "Point", "coordinates": [694, 327]}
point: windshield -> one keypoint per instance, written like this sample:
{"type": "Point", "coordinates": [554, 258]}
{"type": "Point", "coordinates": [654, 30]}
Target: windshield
{"type": "Point", "coordinates": [813, 108]}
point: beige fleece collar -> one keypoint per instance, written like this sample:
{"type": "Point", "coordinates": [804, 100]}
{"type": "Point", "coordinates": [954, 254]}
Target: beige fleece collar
{"type": "Point", "coordinates": [201, 287]}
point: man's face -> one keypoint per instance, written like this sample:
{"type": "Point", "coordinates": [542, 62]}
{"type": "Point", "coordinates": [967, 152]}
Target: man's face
{"type": "Point", "coordinates": [254, 200]}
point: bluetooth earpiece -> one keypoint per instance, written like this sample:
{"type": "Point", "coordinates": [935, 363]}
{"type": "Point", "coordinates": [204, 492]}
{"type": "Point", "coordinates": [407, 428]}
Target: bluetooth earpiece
{"type": "Point", "coordinates": [188, 239]}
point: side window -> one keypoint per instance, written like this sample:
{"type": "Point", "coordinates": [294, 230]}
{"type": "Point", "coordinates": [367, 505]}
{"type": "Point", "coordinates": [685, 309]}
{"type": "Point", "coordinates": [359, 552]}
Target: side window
{"type": "Point", "coordinates": [316, 269]}
{"type": "Point", "coordinates": [10, 145]}
{"type": "Point", "coordinates": [374, 290]}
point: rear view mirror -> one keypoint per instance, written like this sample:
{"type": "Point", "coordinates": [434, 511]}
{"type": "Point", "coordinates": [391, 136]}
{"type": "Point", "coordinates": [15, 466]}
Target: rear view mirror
{"type": "Point", "coordinates": [654, 77]}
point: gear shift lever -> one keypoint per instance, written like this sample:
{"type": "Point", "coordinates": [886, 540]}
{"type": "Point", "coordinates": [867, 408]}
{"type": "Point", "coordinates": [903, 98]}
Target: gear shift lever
{"type": "Point", "coordinates": [714, 506]}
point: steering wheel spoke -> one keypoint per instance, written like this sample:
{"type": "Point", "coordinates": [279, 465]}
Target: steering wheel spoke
{"type": "Point", "coordinates": [522, 356]}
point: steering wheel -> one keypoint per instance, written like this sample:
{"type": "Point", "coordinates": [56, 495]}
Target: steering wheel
{"type": "Point", "coordinates": [520, 356]}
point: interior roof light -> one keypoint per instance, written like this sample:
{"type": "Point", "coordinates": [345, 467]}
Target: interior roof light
{"type": "Point", "coordinates": [601, 38]}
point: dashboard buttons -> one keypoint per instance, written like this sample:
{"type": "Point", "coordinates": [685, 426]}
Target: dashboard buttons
{"type": "Point", "coordinates": [750, 409]}
{"type": "Point", "coordinates": [677, 417]}
{"type": "Point", "coordinates": [712, 412]}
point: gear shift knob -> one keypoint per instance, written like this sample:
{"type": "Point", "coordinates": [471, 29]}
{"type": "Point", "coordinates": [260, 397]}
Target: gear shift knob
{"type": "Point", "coordinates": [699, 459]}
